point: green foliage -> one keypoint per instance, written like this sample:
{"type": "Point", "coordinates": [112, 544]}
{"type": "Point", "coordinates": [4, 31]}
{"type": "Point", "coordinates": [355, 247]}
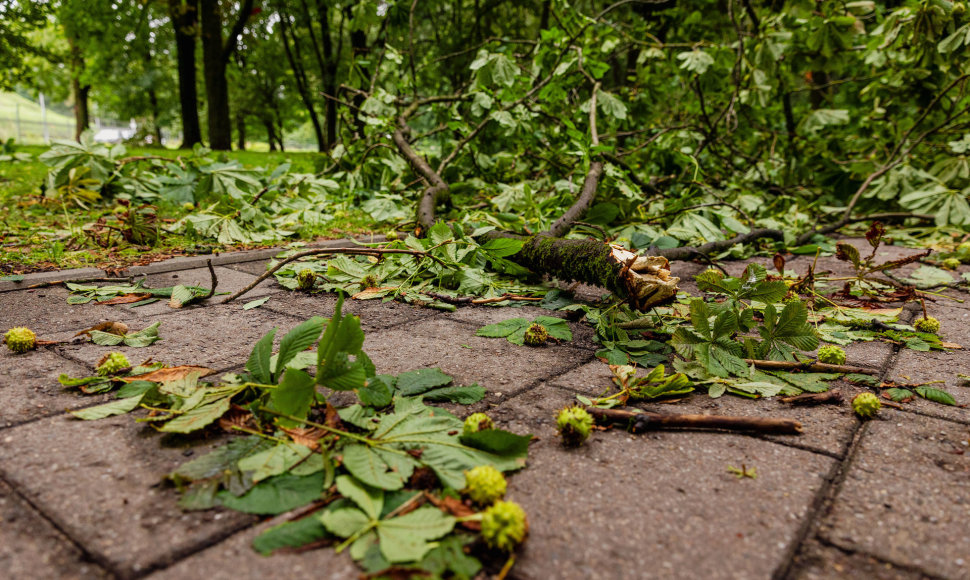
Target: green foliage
{"type": "Point", "coordinates": [514, 329]}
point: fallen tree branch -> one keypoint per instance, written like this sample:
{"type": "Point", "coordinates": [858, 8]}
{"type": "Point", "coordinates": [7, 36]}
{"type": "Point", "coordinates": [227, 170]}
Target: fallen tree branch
{"type": "Point", "coordinates": [816, 367]}
{"type": "Point", "coordinates": [640, 421]}
{"type": "Point", "coordinates": [323, 251]}
{"type": "Point", "coordinates": [689, 253]}
{"type": "Point", "coordinates": [587, 194]}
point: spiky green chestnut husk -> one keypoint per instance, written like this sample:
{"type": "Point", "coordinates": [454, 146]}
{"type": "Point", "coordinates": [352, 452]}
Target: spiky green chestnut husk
{"type": "Point", "coordinates": [20, 339]}
{"type": "Point", "coordinates": [484, 484]}
{"type": "Point", "coordinates": [504, 525]}
{"type": "Point", "coordinates": [928, 324]}
{"type": "Point", "coordinates": [866, 405]}
{"type": "Point", "coordinates": [305, 279]}
{"type": "Point", "coordinates": [477, 422]}
{"type": "Point", "coordinates": [832, 355]}
{"type": "Point", "coordinates": [368, 281]}
{"type": "Point", "coordinates": [574, 425]}
{"type": "Point", "coordinates": [951, 263]}
{"type": "Point", "coordinates": [536, 335]}
{"type": "Point", "coordinates": [111, 363]}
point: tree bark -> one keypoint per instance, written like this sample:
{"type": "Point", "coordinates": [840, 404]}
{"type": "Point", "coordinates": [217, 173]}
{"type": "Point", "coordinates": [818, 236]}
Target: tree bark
{"type": "Point", "coordinates": [79, 90]}
{"type": "Point", "coordinates": [215, 58]}
{"type": "Point", "coordinates": [185, 19]}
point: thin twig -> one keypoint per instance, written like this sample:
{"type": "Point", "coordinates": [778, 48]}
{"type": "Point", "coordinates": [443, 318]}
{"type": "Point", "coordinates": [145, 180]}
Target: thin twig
{"type": "Point", "coordinates": [322, 251]}
{"type": "Point", "coordinates": [214, 280]}
{"type": "Point", "coordinates": [640, 421]}
{"type": "Point", "coordinates": [817, 367]}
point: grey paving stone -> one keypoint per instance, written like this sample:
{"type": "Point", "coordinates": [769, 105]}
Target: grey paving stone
{"type": "Point", "coordinates": [29, 387]}
{"type": "Point", "coordinates": [820, 562]}
{"type": "Point", "coordinates": [218, 337]}
{"type": "Point", "coordinates": [99, 482]}
{"type": "Point", "coordinates": [31, 548]}
{"type": "Point", "coordinates": [246, 563]}
{"type": "Point", "coordinates": [906, 498]}
{"type": "Point", "coordinates": [494, 363]}
{"type": "Point", "coordinates": [917, 367]}
{"type": "Point", "coordinates": [256, 268]}
{"type": "Point", "coordinates": [827, 428]}
{"type": "Point", "coordinates": [46, 310]}
{"type": "Point", "coordinates": [955, 322]}
{"type": "Point", "coordinates": [873, 354]}
{"type": "Point", "coordinates": [660, 505]}
{"type": "Point", "coordinates": [38, 277]}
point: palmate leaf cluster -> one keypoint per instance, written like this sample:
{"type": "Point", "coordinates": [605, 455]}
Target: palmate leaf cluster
{"type": "Point", "coordinates": [234, 204]}
{"type": "Point", "coordinates": [719, 337]}
{"type": "Point", "coordinates": [299, 447]}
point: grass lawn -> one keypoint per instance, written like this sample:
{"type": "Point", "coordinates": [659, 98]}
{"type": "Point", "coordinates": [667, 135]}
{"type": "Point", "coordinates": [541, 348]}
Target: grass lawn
{"type": "Point", "coordinates": [42, 236]}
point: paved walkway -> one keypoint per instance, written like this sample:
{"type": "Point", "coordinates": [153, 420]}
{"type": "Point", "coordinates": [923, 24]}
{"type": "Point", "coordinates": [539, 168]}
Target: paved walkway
{"type": "Point", "coordinates": [889, 498]}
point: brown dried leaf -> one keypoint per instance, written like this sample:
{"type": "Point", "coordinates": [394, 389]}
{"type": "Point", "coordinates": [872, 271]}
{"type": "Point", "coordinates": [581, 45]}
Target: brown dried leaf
{"type": "Point", "coordinates": [309, 437]}
{"type": "Point", "coordinates": [457, 508]}
{"type": "Point", "coordinates": [170, 374]}
{"type": "Point", "coordinates": [371, 293]}
{"type": "Point", "coordinates": [109, 326]}
{"type": "Point", "coordinates": [236, 417]}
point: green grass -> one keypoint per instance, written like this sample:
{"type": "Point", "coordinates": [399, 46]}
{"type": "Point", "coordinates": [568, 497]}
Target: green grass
{"type": "Point", "coordinates": [37, 236]}
{"type": "Point", "coordinates": [29, 110]}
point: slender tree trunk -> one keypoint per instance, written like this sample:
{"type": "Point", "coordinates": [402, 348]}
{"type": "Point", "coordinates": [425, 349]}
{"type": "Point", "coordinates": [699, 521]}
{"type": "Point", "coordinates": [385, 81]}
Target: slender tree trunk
{"type": "Point", "coordinates": [156, 128]}
{"type": "Point", "coordinates": [295, 57]}
{"type": "Point", "coordinates": [215, 58]}
{"type": "Point", "coordinates": [329, 72]}
{"type": "Point", "coordinates": [240, 131]}
{"type": "Point", "coordinates": [79, 90]}
{"type": "Point", "coordinates": [270, 133]}
{"type": "Point", "coordinates": [185, 19]}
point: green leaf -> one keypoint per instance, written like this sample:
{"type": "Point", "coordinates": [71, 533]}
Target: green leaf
{"type": "Point", "coordinates": [504, 328]}
{"type": "Point", "coordinates": [407, 538]}
{"type": "Point", "coordinates": [415, 382]}
{"type": "Point", "coordinates": [290, 535]}
{"type": "Point", "coordinates": [369, 466]}
{"type": "Point", "coordinates": [378, 391]}
{"type": "Point", "coordinates": [503, 247]}
{"type": "Point", "coordinates": [220, 459]}
{"type": "Point", "coordinates": [277, 495]}
{"type": "Point", "coordinates": [898, 395]}
{"type": "Point", "coordinates": [449, 559]}
{"type": "Point", "coordinates": [258, 364]}
{"type": "Point", "coordinates": [498, 441]}
{"type": "Point", "coordinates": [936, 395]}
{"type": "Point", "coordinates": [181, 296]}
{"type": "Point", "coordinates": [294, 396]}
{"type": "Point", "coordinates": [256, 304]}
{"type": "Point", "coordinates": [368, 499]}
{"type": "Point", "coordinates": [142, 338]}
{"type": "Point", "coordinates": [927, 276]}
{"type": "Point", "coordinates": [198, 417]}
{"type": "Point", "coordinates": [106, 338]}
{"type": "Point", "coordinates": [344, 521]}
{"type": "Point", "coordinates": [117, 407]}
{"type": "Point", "coordinates": [463, 395]}
{"type": "Point", "coordinates": [276, 460]}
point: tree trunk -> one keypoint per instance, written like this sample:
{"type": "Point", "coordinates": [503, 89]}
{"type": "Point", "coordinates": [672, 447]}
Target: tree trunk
{"type": "Point", "coordinates": [270, 133]}
{"type": "Point", "coordinates": [295, 58]}
{"type": "Point", "coordinates": [79, 90]}
{"type": "Point", "coordinates": [329, 72]}
{"type": "Point", "coordinates": [240, 131]}
{"type": "Point", "coordinates": [185, 19]}
{"type": "Point", "coordinates": [215, 58]}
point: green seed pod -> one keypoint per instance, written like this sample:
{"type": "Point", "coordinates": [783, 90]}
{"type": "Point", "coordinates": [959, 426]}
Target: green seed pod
{"type": "Point", "coordinates": [20, 339]}
{"type": "Point", "coordinates": [928, 324]}
{"type": "Point", "coordinates": [477, 422]}
{"type": "Point", "coordinates": [866, 405]}
{"type": "Point", "coordinates": [111, 363]}
{"type": "Point", "coordinates": [574, 425]}
{"type": "Point", "coordinates": [368, 281]}
{"type": "Point", "coordinates": [504, 525]}
{"type": "Point", "coordinates": [305, 279]}
{"type": "Point", "coordinates": [536, 335]}
{"type": "Point", "coordinates": [484, 484]}
{"type": "Point", "coordinates": [951, 263]}
{"type": "Point", "coordinates": [832, 355]}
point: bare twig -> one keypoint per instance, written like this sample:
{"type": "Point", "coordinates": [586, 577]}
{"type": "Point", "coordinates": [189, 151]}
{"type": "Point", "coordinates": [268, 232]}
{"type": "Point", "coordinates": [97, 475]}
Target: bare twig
{"type": "Point", "coordinates": [817, 367]}
{"type": "Point", "coordinates": [324, 251]}
{"type": "Point", "coordinates": [213, 279]}
{"type": "Point", "coordinates": [640, 421]}
{"type": "Point", "coordinates": [587, 194]}
{"type": "Point", "coordinates": [826, 398]}
{"type": "Point", "coordinates": [688, 253]}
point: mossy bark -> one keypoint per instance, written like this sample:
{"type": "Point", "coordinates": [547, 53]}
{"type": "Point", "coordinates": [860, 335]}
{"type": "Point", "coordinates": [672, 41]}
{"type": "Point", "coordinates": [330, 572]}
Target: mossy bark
{"type": "Point", "coordinates": [589, 261]}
